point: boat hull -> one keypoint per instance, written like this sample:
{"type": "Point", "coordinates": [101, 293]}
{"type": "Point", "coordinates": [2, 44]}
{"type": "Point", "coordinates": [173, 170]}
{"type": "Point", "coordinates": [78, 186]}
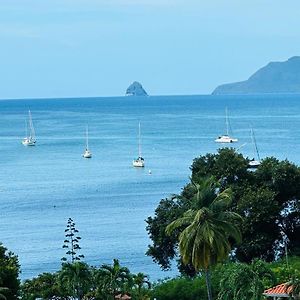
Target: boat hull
{"type": "Point", "coordinates": [139, 163]}
{"type": "Point", "coordinates": [225, 139]}
{"type": "Point", "coordinates": [28, 142]}
{"type": "Point", "coordinates": [253, 164]}
{"type": "Point", "coordinates": [87, 154]}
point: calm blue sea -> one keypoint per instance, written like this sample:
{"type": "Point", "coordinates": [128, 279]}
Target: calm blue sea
{"type": "Point", "coordinates": [42, 186]}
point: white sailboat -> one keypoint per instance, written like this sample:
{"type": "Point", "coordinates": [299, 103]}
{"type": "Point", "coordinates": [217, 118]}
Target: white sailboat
{"type": "Point", "coordinates": [225, 138]}
{"type": "Point", "coordinates": [87, 153]}
{"type": "Point", "coordinates": [29, 140]}
{"type": "Point", "coordinates": [139, 162]}
{"type": "Point", "coordinates": [255, 162]}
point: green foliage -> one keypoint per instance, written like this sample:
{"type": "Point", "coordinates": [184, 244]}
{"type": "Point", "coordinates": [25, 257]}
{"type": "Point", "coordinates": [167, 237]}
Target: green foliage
{"type": "Point", "coordinates": [75, 279]}
{"type": "Point", "coordinates": [141, 286]}
{"type": "Point", "coordinates": [110, 280]}
{"type": "Point", "coordinates": [267, 199]}
{"type": "Point", "coordinates": [284, 269]}
{"type": "Point", "coordinates": [44, 286]}
{"type": "Point", "coordinates": [283, 178]}
{"type": "Point", "coordinates": [78, 280]}
{"type": "Point", "coordinates": [294, 284]}
{"type": "Point", "coordinates": [245, 282]}
{"type": "Point", "coordinates": [163, 250]}
{"type": "Point", "coordinates": [206, 228]}
{"type": "Point", "coordinates": [260, 211]}
{"type": "Point", "coordinates": [3, 291]}
{"type": "Point", "coordinates": [180, 288]}
{"type": "Point", "coordinates": [9, 274]}
{"type": "Point", "coordinates": [227, 166]}
{"type": "Point", "coordinates": [229, 281]}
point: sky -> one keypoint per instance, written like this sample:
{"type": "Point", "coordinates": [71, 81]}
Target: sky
{"type": "Point", "coordinates": [87, 48]}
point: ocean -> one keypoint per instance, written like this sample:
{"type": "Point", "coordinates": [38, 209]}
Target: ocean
{"type": "Point", "coordinates": [109, 200]}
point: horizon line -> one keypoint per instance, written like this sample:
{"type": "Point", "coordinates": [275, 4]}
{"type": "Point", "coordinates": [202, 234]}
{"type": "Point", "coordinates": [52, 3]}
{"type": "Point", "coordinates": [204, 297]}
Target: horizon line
{"type": "Point", "coordinates": [147, 96]}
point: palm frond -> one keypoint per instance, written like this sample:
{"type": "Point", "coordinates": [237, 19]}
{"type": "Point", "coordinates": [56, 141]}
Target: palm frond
{"type": "Point", "coordinates": [186, 219]}
{"type": "Point", "coordinates": [222, 201]}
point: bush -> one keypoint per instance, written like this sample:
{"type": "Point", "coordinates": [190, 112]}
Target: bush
{"type": "Point", "coordinates": [180, 288]}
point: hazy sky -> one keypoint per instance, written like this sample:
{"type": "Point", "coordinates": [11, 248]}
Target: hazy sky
{"type": "Point", "coordinates": [65, 48]}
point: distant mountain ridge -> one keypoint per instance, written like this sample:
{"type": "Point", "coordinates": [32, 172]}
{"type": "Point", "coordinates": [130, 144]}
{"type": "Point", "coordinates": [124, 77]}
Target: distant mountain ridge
{"type": "Point", "coordinates": [136, 89]}
{"type": "Point", "coordinates": [275, 77]}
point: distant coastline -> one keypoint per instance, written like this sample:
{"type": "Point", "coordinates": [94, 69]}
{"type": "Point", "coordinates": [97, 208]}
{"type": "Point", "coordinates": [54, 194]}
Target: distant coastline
{"type": "Point", "coordinates": [274, 78]}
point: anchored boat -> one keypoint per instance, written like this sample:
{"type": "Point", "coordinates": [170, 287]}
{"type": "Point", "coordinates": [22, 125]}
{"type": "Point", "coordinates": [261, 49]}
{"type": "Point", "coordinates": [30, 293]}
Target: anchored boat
{"type": "Point", "coordinates": [139, 162]}
{"type": "Point", "coordinates": [225, 138]}
{"type": "Point", "coordinates": [29, 140]}
{"type": "Point", "coordinates": [87, 153]}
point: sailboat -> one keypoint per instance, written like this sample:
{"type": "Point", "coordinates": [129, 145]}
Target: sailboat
{"type": "Point", "coordinates": [87, 153]}
{"type": "Point", "coordinates": [254, 163]}
{"type": "Point", "coordinates": [139, 162]}
{"type": "Point", "coordinates": [29, 140]}
{"type": "Point", "coordinates": [225, 138]}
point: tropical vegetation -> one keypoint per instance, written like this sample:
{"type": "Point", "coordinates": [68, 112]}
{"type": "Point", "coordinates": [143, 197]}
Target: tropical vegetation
{"type": "Point", "coordinates": [267, 200]}
{"type": "Point", "coordinates": [81, 281]}
{"type": "Point", "coordinates": [234, 233]}
{"type": "Point", "coordinates": [230, 280]}
{"type": "Point", "coordinates": [206, 228]}
{"type": "Point", "coordinates": [9, 274]}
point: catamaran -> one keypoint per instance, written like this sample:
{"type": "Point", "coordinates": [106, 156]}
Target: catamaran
{"type": "Point", "coordinates": [29, 140]}
{"type": "Point", "coordinates": [225, 138]}
{"type": "Point", "coordinates": [255, 162]}
{"type": "Point", "coordinates": [87, 153]}
{"type": "Point", "coordinates": [139, 162]}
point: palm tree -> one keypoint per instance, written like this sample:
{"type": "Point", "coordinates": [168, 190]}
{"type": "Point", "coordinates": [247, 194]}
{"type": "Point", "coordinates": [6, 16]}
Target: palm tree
{"type": "Point", "coordinates": [75, 278]}
{"type": "Point", "coordinates": [205, 229]}
{"type": "Point", "coordinates": [113, 279]}
{"type": "Point", "coordinates": [141, 280]}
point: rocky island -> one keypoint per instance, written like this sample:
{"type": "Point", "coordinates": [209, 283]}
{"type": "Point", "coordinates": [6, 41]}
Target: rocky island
{"type": "Point", "coordinates": [275, 77]}
{"type": "Point", "coordinates": [136, 89]}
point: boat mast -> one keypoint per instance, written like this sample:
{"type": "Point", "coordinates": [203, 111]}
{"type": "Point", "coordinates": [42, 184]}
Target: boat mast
{"type": "Point", "coordinates": [254, 144]}
{"type": "Point", "coordinates": [87, 137]}
{"type": "Point", "coordinates": [26, 129]}
{"type": "Point", "coordinates": [32, 132]}
{"type": "Point", "coordinates": [226, 120]}
{"type": "Point", "coordinates": [140, 146]}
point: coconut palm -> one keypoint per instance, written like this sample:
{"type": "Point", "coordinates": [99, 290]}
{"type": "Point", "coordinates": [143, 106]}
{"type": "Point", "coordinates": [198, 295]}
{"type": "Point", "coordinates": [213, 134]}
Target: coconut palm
{"type": "Point", "coordinates": [75, 278]}
{"type": "Point", "coordinates": [205, 229]}
{"type": "Point", "coordinates": [140, 281]}
{"type": "Point", "coordinates": [113, 278]}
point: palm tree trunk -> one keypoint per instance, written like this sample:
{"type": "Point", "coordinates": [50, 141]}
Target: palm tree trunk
{"type": "Point", "coordinates": [208, 284]}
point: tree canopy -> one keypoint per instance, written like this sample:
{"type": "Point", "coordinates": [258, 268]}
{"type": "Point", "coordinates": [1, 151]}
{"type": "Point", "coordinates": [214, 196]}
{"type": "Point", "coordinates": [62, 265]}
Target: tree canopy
{"type": "Point", "coordinates": [9, 274]}
{"type": "Point", "coordinates": [267, 199]}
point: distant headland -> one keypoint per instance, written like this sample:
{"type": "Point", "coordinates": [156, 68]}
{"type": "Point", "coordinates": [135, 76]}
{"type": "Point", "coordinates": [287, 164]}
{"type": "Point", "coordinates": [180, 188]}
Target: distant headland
{"type": "Point", "coordinates": [136, 89]}
{"type": "Point", "coordinates": [275, 77]}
